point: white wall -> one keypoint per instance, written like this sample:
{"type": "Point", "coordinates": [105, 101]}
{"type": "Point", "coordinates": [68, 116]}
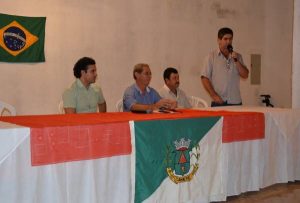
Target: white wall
{"type": "Point", "coordinates": [118, 34]}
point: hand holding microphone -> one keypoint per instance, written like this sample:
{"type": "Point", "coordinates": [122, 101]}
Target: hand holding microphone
{"type": "Point", "coordinates": [233, 54]}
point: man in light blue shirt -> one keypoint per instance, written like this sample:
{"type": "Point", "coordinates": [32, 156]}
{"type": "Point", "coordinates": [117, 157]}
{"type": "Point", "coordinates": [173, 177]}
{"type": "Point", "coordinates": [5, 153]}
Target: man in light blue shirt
{"type": "Point", "coordinates": [222, 71]}
{"type": "Point", "coordinates": [84, 96]}
{"type": "Point", "coordinates": [141, 97]}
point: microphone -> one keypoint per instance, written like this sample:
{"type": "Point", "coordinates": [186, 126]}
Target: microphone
{"type": "Point", "coordinates": [230, 49]}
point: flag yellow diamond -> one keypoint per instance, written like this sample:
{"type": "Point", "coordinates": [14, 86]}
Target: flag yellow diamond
{"type": "Point", "coordinates": [15, 38]}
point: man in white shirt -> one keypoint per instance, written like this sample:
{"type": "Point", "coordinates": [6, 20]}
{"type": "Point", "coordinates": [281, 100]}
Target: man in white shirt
{"type": "Point", "coordinates": [171, 90]}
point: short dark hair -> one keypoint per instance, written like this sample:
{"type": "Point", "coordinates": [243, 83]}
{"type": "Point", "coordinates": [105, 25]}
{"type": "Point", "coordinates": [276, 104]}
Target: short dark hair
{"type": "Point", "coordinates": [168, 72]}
{"type": "Point", "coordinates": [223, 31]}
{"type": "Point", "coordinates": [82, 64]}
{"type": "Point", "coordinates": [138, 68]}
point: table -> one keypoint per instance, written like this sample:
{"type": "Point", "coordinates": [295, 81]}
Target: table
{"type": "Point", "coordinates": [277, 159]}
{"type": "Point", "coordinates": [242, 165]}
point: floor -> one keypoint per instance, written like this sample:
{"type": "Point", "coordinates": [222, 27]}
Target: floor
{"type": "Point", "coordinates": [278, 193]}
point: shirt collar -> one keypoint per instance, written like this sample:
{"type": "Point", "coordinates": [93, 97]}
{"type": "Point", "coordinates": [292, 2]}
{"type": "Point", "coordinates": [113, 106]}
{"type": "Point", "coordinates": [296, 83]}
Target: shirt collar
{"type": "Point", "coordinates": [168, 89]}
{"type": "Point", "coordinates": [218, 51]}
{"type": "Point", "coordinates": [139, 90]}
{"type": "Point", "coordinates": [79, 83]}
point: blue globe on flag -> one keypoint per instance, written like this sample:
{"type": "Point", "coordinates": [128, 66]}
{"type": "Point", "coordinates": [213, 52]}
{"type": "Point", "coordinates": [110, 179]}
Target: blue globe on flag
{"type": "Point", "coordinates": [14, 38]}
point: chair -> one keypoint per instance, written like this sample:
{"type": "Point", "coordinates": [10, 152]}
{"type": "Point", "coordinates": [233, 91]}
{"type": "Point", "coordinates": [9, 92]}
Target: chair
{"type": "Point", "coordinates": [7, 108]}
{"type": "Point", "coordinates": [119, 105]}
{"type": "Point", "coordinates": [61, 109]}
{"type": "Point", "coordinates": [197, 102]}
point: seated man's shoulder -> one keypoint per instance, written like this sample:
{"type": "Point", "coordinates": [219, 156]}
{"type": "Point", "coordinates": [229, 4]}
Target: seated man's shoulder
{"type": "Point", "coordinates": [71, 87]}
{"type": "Point", "coordinates": [129, 89]}
{"type": "Point", "coordinates": [69, 91]}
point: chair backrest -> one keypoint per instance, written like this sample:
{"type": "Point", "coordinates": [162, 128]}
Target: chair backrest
{"type": "Point", "coordinates": [197, 102]}
{"type": "Point", "coordinates": [7, 109]}
{"type": "Point", "coordinates": [119, 105]}
{"type": "Point", "coordinates": [61, 109]}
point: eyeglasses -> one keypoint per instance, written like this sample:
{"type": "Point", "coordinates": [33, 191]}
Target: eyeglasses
{"type": "Point", "coordinates": [147, 74]}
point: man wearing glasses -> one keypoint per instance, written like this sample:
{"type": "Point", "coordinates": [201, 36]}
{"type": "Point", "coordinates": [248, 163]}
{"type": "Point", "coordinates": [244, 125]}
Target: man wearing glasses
{"type": "Point", "coordinates": [139, 97]}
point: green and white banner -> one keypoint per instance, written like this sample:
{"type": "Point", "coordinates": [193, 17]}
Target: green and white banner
{"type": "Point", "coordinates": [172, 160]}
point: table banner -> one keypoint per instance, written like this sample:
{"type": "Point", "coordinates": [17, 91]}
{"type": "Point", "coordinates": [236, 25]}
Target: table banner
{"type": "Point", "coordinates": [168, 157]}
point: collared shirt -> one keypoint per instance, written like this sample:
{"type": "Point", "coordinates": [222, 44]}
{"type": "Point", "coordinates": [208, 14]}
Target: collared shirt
{"type": "Point", "coordinates": [224, 76]}
{"type": "Point", "coordinates": [84, 100]}
{"type": "Point", "coordinates": [181, 98]}
{"type": "Point", "coordinates": [133, 95]}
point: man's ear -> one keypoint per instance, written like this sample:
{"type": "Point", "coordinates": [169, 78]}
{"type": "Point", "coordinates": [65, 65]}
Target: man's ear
{"type": "Point", "coordinates": [136, 74]}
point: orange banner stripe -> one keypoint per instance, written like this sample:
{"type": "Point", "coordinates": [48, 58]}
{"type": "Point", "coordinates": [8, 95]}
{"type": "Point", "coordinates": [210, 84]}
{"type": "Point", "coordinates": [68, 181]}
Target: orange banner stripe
{"type": "Point", "coordinates": [50, 145]}
{"type": "Point", "coordinates": [242, 127]}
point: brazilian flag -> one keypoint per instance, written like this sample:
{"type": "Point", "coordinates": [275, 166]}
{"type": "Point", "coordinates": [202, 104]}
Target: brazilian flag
{"type": "Point", "coordinates": [22, 38]}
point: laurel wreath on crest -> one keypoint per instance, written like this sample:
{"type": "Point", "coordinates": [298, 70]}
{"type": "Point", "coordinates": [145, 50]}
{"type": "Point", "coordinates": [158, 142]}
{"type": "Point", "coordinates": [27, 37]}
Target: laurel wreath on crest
{"type": "Point", "coordinates": [168, 161]}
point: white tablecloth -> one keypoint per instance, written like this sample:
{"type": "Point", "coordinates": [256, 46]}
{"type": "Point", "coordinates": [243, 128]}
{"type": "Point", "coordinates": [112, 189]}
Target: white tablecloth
{"type": "Point", "coordinates": [99, 180]}
{"type": "Point", "coordinates": [246, 166]}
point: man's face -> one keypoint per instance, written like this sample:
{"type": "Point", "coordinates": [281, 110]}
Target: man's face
{"type": "Point", "coordinates": [225, 41]}
{"type": "Point", "coordinates": [173, 82]}
{"type": "Point", "coordinates": [90, 75]}
{"type": "Point", "coordinates": [145, 76]}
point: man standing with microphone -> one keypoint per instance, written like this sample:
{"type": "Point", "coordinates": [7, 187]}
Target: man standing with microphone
{"type": "Point", "coordinates": [222, 71]}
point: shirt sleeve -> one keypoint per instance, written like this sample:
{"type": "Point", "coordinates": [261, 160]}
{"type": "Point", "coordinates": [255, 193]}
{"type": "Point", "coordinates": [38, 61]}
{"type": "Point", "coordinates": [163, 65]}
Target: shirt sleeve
{"type": "Point", "coordinates": [207, 67]}
{"type": "Point", "coordinates": [186, 102]}
{"type": "Point", "coordinates": [69, 99]}
{"type": "Point", "coordinates": [240, 58]}
{"type": "Point", "coordinates": [156, 96]}
{"type": "Point", "coordinates": [101, 98]}
{"type": "Point", "coordinates": [128, 99]}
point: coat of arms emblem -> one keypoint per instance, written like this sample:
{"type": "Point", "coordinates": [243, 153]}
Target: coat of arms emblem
{"type": "Point", "coordinates": [182, 161]}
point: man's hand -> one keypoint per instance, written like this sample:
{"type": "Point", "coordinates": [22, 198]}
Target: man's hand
{"type": "Point", "coordinates": [166, 103]}
{"type": "Point", "coordinates": [217, 99]}
{"type": "Point", "coordinates": [234, 55]}
{"type": "Point", "coordinates": [242, 69]}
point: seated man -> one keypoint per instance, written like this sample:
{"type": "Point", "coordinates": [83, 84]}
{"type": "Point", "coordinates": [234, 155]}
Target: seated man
{"type": "Point", "coordinates": [141, 97]}
{"type": "Point", "coordinates": [171, 89]}
{"type": "Point", "coordinates": [84, 96]}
